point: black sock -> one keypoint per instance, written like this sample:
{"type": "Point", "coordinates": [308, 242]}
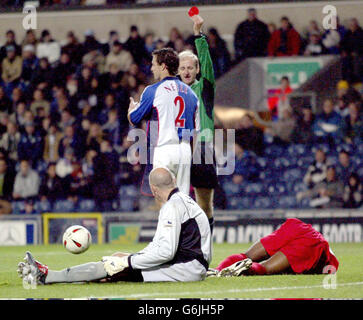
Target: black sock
{"type": "Point", "coordinates": [211, 224]}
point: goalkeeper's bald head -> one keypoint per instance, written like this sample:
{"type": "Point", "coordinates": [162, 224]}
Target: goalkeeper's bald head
{"type": "Point", "coordinates": [161, 181]}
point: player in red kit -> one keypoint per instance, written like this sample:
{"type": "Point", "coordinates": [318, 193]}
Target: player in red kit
{"type": "Point", "coordinates": [294, 248]}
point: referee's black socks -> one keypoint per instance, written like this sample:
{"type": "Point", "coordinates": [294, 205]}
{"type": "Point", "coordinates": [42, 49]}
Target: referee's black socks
{"type": "Point", "coordinates": [211, 224]}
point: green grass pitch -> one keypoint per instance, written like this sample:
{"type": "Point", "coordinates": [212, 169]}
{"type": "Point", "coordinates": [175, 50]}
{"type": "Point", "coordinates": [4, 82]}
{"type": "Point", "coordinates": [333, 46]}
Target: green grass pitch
{"type": "Point", "coordinates": [349, 279]}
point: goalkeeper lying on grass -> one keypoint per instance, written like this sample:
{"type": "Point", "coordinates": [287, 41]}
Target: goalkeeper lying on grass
{"type": "Point", "coordinates": [180, 250]}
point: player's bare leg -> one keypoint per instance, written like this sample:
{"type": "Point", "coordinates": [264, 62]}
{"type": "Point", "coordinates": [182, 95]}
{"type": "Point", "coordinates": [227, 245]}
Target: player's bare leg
{"type": "Point", "coordinates": [256, 253]}
{"type": "Point", "coordinates": [204, 197]}
{"type": "Point", "coordinates": [276, 264]}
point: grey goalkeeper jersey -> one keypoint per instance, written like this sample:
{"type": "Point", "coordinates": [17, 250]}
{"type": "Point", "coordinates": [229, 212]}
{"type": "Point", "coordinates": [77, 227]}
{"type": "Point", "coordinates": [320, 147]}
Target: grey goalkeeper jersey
{"type": "Point", "coordinates": [183, 235]}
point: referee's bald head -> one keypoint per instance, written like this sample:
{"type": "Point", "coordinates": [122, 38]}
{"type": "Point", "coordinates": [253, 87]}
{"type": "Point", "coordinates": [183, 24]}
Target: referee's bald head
{"type": "Point", "coordinates": [162, 178]}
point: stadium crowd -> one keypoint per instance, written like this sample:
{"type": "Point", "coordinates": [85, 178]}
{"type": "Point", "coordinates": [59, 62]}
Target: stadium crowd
{"type": "Point", "coordinates": [63, 121]}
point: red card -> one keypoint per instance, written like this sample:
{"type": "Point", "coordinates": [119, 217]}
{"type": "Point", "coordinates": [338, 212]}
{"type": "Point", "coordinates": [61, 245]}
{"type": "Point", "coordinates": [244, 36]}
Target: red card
{"type": "Point", "coordinates": [193, 11]}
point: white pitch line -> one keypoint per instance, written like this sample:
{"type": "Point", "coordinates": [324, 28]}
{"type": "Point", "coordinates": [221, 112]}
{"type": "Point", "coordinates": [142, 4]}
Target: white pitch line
{"type": "Point", "coordinates": [208, 293]}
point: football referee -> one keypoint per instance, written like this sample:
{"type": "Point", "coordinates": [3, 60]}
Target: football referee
{"type": "Point", "coordinates": [203, 170]}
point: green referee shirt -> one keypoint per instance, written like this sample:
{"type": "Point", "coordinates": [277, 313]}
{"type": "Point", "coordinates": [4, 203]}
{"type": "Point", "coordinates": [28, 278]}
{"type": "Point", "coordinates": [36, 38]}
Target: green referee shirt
{"type": "Point", "coordinates": [204, 88]}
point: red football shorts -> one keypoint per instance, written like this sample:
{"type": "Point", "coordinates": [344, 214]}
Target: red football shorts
{"type": "Point", "coordinates": [305, 248]}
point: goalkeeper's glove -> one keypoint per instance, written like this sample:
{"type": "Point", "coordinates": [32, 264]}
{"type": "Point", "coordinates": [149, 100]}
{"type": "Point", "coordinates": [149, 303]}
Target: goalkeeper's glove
{"type": "Point", "coordinates": [114, 264]}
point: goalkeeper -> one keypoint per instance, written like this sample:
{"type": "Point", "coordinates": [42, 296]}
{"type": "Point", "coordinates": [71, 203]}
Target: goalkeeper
{"type": "Point", "coordinates": [203, 169]}
{"type": "Point", "coordinates": [180, 250]}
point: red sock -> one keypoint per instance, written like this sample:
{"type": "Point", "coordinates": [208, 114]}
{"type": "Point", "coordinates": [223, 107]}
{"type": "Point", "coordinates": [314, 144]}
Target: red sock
{"type": "Point", "coordinates": [231, 260]}
{"type": "Point", "coordinates": [257, 269]}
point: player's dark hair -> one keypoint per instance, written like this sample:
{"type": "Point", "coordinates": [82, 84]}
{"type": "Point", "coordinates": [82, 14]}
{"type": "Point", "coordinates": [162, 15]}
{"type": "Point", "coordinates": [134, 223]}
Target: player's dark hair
{"type": "Point", "coordinates": [169, 57]}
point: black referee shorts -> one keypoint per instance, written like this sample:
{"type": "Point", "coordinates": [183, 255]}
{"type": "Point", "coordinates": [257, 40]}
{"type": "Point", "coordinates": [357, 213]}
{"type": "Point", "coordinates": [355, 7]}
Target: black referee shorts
{"type": "Point", "coordinates": [202, 174]}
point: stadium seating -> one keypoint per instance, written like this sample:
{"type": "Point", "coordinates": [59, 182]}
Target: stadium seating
{"type": "Point", "coordinates": [281, 177]}
{"type": "Point", "coordinates": [64, 206]}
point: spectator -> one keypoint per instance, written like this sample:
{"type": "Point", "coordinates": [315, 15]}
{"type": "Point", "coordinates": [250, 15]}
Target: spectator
{"type": "Point", "coordinates": [219, 53]}
{"type": "Point", "coordinates": [73, 48]}
{"type": "Point", "coordinates": [48, 48]}
{"type": "Point", "coordinates": [11, 69]}
{"type": "Point", "coordinates": [284, 41]}
{"type": "Point", "coordinates": [352, 128]}
{"type": "Point", "coordinates": [112, 127]}
{"type": "Point", "coordinates": [90, 42]}
{"type": "Point", "coordinates": [352, 195]}
{"type": "Point", "coordinates": [10, 140]}
{"type": "Point", "coordinates": [251, 37]}
{"type": "Point", "coordinates": [64, 165]}
{"type": "Point", "coordinates": [279, 100]}
{"type": "Point", "coordinates": [30, 39]}
{"type": "Point", "coordinates": [17, 96]}
{"type": "Point", "coordinates": [120, 57]}
{"type": "Point", "coordinates": [39, 102]}
{"type": "Point", "coordinates": [108, 105]}
{"type": "Point", "coordinates": [249, 137]}
{"type": "Point", "coordinates": [316, 172]}
{"type": "Point", "coordinates": [314, 47]}
{"type": "Point", "coordinates": [174, 34]}
{"type": "Point", "coordinates": [10, 41]}
{"type": "Point", "coordinates": [5, 102]}
{"type": "Point", "coordinates": [328, 194]}
{"type": "Point", "coordinates": [313, 28]}
{"type": "Point", "coordinates": [113, 37]}
{"type": "Point", "coordinates": [51, 144]}
{"type": "Point", "coordinates": [4, 120]}
{"type": "Point", "coordinates": [160, 44]}
{"type": "Point", "coordinates": [87, 165]}
{"type": "Point", "coordinates": [280, 130]}
{"type": "Point", "coordinates": [246, 166]}
{"type": "Point", "coordinates": [94, 60]}
{"type": "Point", "coordinates": [72, 141]}
{"type": "Point", "coordinates": [135, 71]}
{"type": "Point", "coordinates": [6, 187]}
{"type": "Point", "coordinates": [51, 187]}
{"type": "Point", "coordinates": [79, 184]}
{"type": "Point", "coordinates": [63, 69]}
{"type": "Point", "coordinates": [84, 83]}
{"type": "Point", "coordinates": [27, 182]}
{"type": "Point", "coordinates": [341, 106]}
{"type": "Point", "coordinates": [43, 75]}
{"type": "Point", "coordinates": [94, 138]}
{"type": "Point", "coordinates": [136, 45]}
{"type": "Point", "coordinates": [179, 45]}
{"type": "Point", "coordinates": [271, 28]}
{"type": "Point", "coordinates": [345, 166]}
{"type": "Point", "coordinates": [130, 171]}
{"type": "Point", "coordinates": [30, 63]}
{"type": "Point", "coordinates": [352, 52]}
{"type": "Point", "coordinates": [29, 207]}
{"type": "Point", "coordinates": [105, 167]}
{"type": "Point", "coordinates": [326, 126]}
{"type": "Point", "coordinates": [18, 116]}
{"type": "Point", "coordinates": [66, 119]}
{"type": "Point", "coordinates": [150, 44]}
{"type": "Point", "coordinates": [30, 146]}
{"type": "Point", "coordinates": [303, 133]}
{"type": "Point", "coordinates": [332, 37]}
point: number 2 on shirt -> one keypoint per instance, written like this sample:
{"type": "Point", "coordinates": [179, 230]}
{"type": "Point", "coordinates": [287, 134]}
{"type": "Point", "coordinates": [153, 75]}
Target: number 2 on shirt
{"type": "Point", "coordinates": [180, 123]}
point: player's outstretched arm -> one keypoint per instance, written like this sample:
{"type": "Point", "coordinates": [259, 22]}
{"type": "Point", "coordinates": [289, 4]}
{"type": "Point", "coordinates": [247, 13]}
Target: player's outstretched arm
{"type": "Point", "coordinates": [201, 44]}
